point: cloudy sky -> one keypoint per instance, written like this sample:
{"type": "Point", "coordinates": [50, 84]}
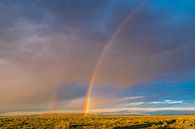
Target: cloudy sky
{"type": "Point", "coordinates": [49, 49]}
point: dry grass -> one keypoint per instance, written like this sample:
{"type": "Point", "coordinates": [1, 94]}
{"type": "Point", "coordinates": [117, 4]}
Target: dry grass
{"type": "Point", "coordinates": [66, 121]}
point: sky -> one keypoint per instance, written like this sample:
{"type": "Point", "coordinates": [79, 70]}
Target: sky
{"type": "Point", "coordinates": [49, 49]}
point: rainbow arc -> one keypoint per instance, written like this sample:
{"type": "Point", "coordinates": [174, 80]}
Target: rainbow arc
{"type": "Point", "coordinates": [105, 51]}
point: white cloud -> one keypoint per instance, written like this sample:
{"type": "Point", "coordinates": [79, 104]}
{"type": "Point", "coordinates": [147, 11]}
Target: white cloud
{"type": "Point", "coordinates": [131, 98]}
{"type": "Point", "coordinates": [167, 102]}
{"type": "Point", "coordinates": [151, 103]}
{"type": "Point", "coordinates": [133, 103]}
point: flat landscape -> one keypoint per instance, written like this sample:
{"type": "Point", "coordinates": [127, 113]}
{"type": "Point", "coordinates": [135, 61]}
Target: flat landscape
{"type": "Point", "coordinates": [77, 121]}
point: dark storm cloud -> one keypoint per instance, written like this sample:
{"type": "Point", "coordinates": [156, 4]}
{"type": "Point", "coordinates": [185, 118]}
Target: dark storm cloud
{"type": "Point", "coordinates": [156, 41]}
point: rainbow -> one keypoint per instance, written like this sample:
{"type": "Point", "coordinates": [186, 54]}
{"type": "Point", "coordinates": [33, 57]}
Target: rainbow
{"type": "Point", "coordinates": [53, 100]}
{"type": "Point", "coordinates": [104, 52]}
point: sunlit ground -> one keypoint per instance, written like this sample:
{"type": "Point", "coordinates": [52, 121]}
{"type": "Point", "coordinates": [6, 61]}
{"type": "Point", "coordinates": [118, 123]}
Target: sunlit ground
{"type": "Point", "coordinates": [79, 121]}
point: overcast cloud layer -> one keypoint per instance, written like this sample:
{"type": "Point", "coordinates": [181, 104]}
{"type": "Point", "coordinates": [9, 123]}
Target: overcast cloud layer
{"type": "Point", "coordinates": [45, 45]}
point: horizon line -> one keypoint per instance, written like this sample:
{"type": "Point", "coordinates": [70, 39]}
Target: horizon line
{"type": "Point", "coordinates": [103, 111]}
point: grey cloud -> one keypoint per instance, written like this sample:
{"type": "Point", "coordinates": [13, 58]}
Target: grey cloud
{"type": "Point", "coordinates": [45, 44]}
